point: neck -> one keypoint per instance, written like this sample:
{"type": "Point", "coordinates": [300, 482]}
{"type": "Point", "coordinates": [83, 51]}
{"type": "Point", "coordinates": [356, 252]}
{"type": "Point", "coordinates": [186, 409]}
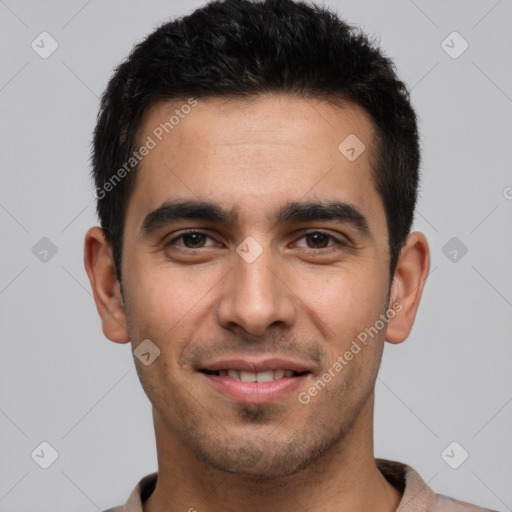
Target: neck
{"type": "Point", "coordinates": [346, 478]}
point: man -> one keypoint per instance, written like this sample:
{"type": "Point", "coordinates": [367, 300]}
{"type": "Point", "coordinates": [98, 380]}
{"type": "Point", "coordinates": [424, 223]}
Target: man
{"type": "Point", "coordinates": [256, 170]}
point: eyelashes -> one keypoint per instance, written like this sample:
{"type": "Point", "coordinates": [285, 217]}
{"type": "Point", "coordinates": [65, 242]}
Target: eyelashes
{"type": "Point", "coordinates": [199, 238]}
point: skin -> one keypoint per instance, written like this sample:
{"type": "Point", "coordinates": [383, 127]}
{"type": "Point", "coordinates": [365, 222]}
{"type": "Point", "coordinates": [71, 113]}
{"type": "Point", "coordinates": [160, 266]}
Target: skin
{"type": "Point", "coordinates": [299, 299]}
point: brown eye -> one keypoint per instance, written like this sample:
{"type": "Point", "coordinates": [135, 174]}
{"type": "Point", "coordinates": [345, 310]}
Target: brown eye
{"type": "Point", "coordinates": [194, 240]}
{"type": "Point", "coordinates": [318, 240]}
{"type": "Point", "coordinates": [190, 240]}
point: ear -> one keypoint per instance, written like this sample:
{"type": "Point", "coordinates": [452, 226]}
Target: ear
{"type": "Point", "coordinates": [100, 268]}
{"type": "Point", "coordinates": [407, 287]}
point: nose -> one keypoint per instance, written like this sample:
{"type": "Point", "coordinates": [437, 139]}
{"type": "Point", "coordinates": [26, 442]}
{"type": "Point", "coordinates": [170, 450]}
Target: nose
{"type": "Point", "coordinates": [256, 297]}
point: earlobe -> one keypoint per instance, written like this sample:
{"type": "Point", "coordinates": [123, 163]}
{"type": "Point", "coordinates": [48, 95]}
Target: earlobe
{"type": "Point", "coordinates": [407, 287]}
{"type": "Point", "coordinates": [105, 286]}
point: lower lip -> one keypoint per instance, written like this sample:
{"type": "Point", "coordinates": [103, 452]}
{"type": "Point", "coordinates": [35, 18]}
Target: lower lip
{"type": "Point", "coordinates": [255, 392]}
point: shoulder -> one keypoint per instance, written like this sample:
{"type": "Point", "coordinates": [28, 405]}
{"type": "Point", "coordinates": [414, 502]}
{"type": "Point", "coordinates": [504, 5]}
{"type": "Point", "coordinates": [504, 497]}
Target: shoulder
{"type": "Point", "coordinates": [138, 496]}
{"type": "Point", "coordinates": [417, 496]}
{"type": "Point", "coordinates": [447, 504]}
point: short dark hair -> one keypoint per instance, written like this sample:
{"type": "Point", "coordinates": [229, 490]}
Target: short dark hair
{"type": "Point", "coordinates": [243, 48]}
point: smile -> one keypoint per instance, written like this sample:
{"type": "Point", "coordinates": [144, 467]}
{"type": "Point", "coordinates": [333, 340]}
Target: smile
{"type": "Point", "coordinates": [255, 382]}
{"type": "Point", "coordinates": [262, 376]}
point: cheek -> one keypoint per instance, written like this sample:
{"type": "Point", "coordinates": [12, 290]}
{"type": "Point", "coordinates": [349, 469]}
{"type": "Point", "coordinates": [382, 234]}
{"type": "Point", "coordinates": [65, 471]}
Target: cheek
{"type": "Point", "coordinates": [342, 301]}
{"type": "Point", "coordinates": [168, 304]}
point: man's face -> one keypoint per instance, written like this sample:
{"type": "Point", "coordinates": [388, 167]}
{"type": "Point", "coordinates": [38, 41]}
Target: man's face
{"type": "Point", "coordinates": [255, 291]}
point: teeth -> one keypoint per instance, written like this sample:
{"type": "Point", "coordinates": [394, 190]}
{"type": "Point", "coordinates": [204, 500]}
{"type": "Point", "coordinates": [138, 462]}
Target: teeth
{"type": "Point", "coordinates": [264, 376]}
{"type": "Point", "coordinates": [234, 374]}
{"type": "Point", "coordinates": [248, 376]}
{"type": "Point", "coordinates": [278, 374]}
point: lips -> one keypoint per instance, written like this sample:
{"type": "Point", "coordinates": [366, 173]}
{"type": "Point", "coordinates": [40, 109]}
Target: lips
{"type": "Point", "coordinates": [255, 381]}
{"type": "Point", "coordinates": [262, 376]}
{"type": "Point", "coordinates": [255, 366]}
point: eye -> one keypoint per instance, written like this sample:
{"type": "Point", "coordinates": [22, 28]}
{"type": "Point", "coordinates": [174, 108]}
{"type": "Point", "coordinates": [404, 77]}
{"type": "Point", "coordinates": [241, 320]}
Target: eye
{"type": "Point", "coordinates": [319, 240]}
{"type": "Point", "coordinates": [190, 240]}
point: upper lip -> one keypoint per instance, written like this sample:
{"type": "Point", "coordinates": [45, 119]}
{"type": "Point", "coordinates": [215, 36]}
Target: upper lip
{"type": "Point", "coordinates": [256, 365]}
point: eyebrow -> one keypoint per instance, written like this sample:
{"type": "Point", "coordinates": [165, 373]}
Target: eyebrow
{"type": "Point", "coordinates": [295, 211]}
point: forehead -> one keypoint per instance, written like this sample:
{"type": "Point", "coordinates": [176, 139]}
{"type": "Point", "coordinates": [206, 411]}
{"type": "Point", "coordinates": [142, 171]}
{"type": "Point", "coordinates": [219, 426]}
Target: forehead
{"type": "Point", "coordinates": [256, 152]}
{"type": "Point", "coordinates": [267, 121]}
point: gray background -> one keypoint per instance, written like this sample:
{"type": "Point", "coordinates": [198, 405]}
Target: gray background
{"type": "Point", "coordinates": [62, 382]}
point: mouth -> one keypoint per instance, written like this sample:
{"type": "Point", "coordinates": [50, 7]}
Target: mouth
{"type": "Point", "coordinates": [262, 376]}
{"type": "Point", "coordinates": [255, 382]}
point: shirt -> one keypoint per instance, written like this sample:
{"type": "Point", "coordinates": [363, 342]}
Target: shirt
{"type": "Point", "coordinates": [417, 496]}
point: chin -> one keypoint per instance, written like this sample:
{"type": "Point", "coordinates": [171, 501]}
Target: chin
{"type": "Point", "coordinates": [263, 469]}
{"type": "Point", "coordinates": [259, 459]}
